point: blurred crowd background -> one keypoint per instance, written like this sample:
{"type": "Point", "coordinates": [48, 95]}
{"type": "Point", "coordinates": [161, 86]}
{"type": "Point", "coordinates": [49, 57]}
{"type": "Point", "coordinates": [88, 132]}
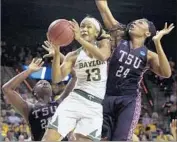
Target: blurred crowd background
{"type": "Point", "coordinates": [24, 27]}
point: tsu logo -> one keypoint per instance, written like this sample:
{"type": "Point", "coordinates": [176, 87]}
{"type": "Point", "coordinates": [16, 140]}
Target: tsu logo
{"type": "Point", "coordinates": [142, 53]}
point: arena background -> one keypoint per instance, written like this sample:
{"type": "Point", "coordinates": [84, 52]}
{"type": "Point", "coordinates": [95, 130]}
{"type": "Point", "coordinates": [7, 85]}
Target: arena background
{"type": "Point", "coordinates": [23, 29]}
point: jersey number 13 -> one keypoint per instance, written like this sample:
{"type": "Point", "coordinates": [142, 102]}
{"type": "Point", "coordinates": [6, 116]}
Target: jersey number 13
{"type": "Point", "coordinates": [93, 74]}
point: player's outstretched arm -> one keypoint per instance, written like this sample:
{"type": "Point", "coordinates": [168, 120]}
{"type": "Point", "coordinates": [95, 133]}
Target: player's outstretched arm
{"type": "Point", "coordinates": [61, 65]}
{"type": "Point", "coordinates": [159, 62]}
{"type": "Point", "coordinates": [108, 19]}
{"type": "Point", "coordinates": [49, 48]}
{"type": "Point", "coordinates": [54, 51]}
{"type": "Point", "coordinates": [14, 97]}
{"type": "Point", "coordinates": [59, 72]}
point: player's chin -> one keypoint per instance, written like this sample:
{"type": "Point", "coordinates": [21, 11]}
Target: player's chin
{"type": "Point", "coordinates": [86, 37]}
{"type": "Point", "coordinates": [132, 33]}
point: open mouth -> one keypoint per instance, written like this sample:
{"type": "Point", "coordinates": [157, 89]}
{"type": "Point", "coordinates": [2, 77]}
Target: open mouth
{"type": "Point", "coordinates": [84, 34]}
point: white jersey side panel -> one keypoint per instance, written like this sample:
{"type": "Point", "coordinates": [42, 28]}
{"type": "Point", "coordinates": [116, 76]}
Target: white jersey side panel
{"type": "Point", "coordinates": [91, 75]}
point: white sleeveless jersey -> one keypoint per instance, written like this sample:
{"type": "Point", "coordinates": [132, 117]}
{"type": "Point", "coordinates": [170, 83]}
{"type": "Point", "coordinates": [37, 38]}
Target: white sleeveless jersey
{"type": "Point", "coordinates": [91, 75]}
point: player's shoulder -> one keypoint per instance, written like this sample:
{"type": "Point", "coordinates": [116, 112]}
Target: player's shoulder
{"type": "Point", "coordinates": [54, 102]}
{"type": "Point", "coordinates": [72, 55]}
{"type": "Point", "coordinates": [151, 55]}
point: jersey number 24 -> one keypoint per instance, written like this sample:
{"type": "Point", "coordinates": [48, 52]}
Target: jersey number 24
{"type": "Point", "coordinates": [122, 72]}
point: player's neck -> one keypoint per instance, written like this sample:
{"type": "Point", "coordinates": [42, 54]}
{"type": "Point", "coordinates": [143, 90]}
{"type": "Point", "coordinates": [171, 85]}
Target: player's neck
{"type": "Point", "coordinates": [88, 54]}
{"type": "Point", "coordinates": [93, 42]}
{"type": "Point", "coordinates": [44, 101]}
{"type": "Point", "coordinates": [137, 42]}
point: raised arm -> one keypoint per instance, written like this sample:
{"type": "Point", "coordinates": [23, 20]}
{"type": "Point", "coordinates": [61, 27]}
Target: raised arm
{"type": "Point", "coordinates": [101, 51]}
{"type": "Point", "coordinates": [14, 97]}
{"type": "Point", "coordinates": [159, 62]}
{"type": "Point", "coordinates": [108, 19]}
{"type": "Point", "coordinates": [61, 65]}
{"type": "Point", "coordinates": [60, 71]}
{"type": "Point", "coordinates": [48, 47]}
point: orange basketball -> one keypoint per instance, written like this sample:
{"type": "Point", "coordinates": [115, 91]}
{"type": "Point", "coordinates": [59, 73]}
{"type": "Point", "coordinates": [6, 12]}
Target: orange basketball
{"type": "Point", "coordinates": [60, 32]}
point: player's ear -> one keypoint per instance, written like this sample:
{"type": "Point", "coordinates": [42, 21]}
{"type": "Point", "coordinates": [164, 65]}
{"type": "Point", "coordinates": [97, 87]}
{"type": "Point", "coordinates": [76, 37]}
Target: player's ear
{"type": "Point", "coordinates": [96, 34]}
{"type": "Point", "coordinates": [148, 34]}
{"type": "Point", "coordinates": [47, 34]}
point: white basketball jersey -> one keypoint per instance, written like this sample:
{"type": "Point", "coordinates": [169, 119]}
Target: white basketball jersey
{"type": "Point", "coordinates": [91, 75]}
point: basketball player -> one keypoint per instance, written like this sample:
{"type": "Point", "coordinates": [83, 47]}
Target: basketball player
{"type": "Point", "coordinates": [81, 112]}
{"type": "Point", "coordinates": [36, 115]}
{"type": "Point", "coordinates": [129, 61]}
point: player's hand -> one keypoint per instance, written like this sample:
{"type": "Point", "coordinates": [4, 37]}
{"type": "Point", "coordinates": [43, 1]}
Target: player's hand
{"type": "Point", "coordinates": [173, 127]}
{"type": "Point", "coordinates": [166, 30]}
{"type": "Point", "coordinates": [50, 48]}
{"type": "Point", "coordinates": [76, 29]}
{"type": "Point", "coordinates": [35, 65]}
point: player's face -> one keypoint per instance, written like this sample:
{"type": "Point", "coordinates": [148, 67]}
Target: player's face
{"type": "Point", "coordinates": [43, 89]}
{"type": "Point", "coordinates": [139, 28]}
{"type": "Point", "coordinates": [88, 31]}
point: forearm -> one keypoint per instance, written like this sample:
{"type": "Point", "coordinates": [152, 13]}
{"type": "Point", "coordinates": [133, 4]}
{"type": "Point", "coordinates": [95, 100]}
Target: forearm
{"type": "Point", "coordinates": [101, 4]}
{"type": "Point", "coordinates": [62, 57]}
{"type": "Point", "coordinates": [17, 80]}
{"type": "Point", "coordinates": [164, 65]}
{"type": "Point", "coordinates": [56, 71]}
{"type": "Point", "coordinates": [93, 49]}
{"type": "Point", "coordinates": [106, 14]}
{"type": "Point", "coordinates": [68, 88]}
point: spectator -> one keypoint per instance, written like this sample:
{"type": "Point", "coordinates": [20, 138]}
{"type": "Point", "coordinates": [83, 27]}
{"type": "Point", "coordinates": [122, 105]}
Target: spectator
{"type": "Point", "coordinates": [146, 119]}
{"type": "Point", "coordinates": [6, 139]}
{"type": "Point", "coordinates": [21, 138]}
{"type": "Point", "coordinates": [155, 118]}
{"type": "Point", "coordinates": [1, 133]}
{"type": "Point", "coordinates": [148, 134]}
{"type": "Point", "coordinates": [13, 119]}
{"type": "Point", "coordinates": [11, 136]}
{"type": "Point", "coordinates": [161, 136]}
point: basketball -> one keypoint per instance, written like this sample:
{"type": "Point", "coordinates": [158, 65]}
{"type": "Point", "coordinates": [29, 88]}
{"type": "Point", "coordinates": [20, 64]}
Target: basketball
{"type": "Point", "coordinates": [60, 32]}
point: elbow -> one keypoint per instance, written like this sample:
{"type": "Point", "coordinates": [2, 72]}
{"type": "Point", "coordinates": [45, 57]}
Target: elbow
{"type": "Point", "coordinates": [103, 58]}
{"type": "Point", "coordinates": [5, 88]}
{"type": "Point", "coordinates": [167, 74]}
